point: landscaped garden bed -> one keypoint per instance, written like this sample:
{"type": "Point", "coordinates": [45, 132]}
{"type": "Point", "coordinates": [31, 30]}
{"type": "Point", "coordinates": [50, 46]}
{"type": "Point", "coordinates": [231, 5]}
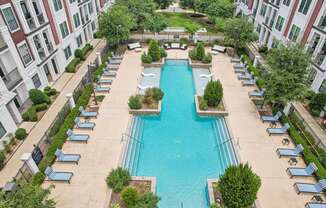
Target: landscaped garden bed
{"type": "Point", "coordinates": [155, 55]}
{"type": "Point", "coordinates": [80, 56]}
{"type": "Point", "coordinates": [219, 110]}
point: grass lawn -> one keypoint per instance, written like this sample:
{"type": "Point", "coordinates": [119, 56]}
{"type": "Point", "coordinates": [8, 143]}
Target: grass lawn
{"type": "Point", "coordinates": [184, 20]}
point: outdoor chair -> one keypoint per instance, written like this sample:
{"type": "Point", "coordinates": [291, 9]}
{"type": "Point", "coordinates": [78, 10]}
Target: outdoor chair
{"type": "Point", "coordinates": [62, 157]}
{"type": "Point", "coordinates": [133, 46]}
{"type": "Point", "coordinates": [311, 188]}
{"type": "Point", "coordinates": [142, 87]}
{"type": "Point", "coordinates": [184, 47]}
{"type": "Point", "coordinates": [206, 75]}
{"type": "Point", "coordinates": [52, 175]}
{"type": "Point", "coordinates": [103, 81]}
{"type": "Point", "coordinates": [250, 82]}
{"type": "Point", "coordinates": [218, 48]}
{"type": "Point", "coordinates": [239, 65]}
{"type": "Point", "coordinates": [272, 118]}
{"type": "Point", "coordinates": [287, 152]}
{"type": "Point", "coordinates": [236, 60]}
{"type": "Point", "coordinates": [108, 73]}
{"type": "Point", "coordinates": [84, 125]}
{"type": "Point", "coordinates": [111, 67]}
{"type": "Point", "coordinates": [257, 93]}
{"type": "Point", "coordinates": [315, 205]}
{"type": "Point", "coordinates": [281, 130]}
{"type": "Point", "coordinates": [303, 172]}
{"type": "Point", "coordinates": [77, 137]}
{"type": "Point", "coordinates": [100, 89]}
{"type": "Point", "coordinates": [240, 70]}
{"type": "Point", "coordinates": [246, 76]}
{"type": "Point", "coordinates": [115, 61]}
{"type": "Point", "coordinates": [84, 113]}
{"type": "Point", "coordinates": [175, 45]}
{"type": "Point", "coordinates": [148, 74]}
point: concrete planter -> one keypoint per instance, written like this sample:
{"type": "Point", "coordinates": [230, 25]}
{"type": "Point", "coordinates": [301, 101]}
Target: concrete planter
{"type": "Point", "coordinates": [155, 64]}
{"type": "Point", "coordinates": [211, 197]}
{"type": "Point", "coordinates": [200, 65]}
{"type": "Point", "coordinates": [147, 111]}
{"type": "Point", "coordinates": [210, 112]}
{"type": "Point", "coordinates": [146, 178]}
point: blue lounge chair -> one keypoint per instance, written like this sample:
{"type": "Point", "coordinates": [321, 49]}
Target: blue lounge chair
{"type": "Point", "coordinates": [84, 113]}
{"type": "Point", "coordinates": [241, 71]}
{"type": "Point", "coordinates": [77, 137]}
{"type": "Point", "coordinates": [246, 76]}
{"type": "Point", "coordinates": [257, 93]}
{"type": "Point", "coordinates": [315, 205]}
{"type": "Point", "coordinates": [109, 73]}
{"type": "Point", "coordinates": [84, 125]}
{"type": "Point", "coordinates": [99, 88]}
{"type": "Point", "coordinates": [111, 67]}
{"type": "Point", "coordinates": [57, 176]}
{"type": "Point", "coordinates": [117, 57]}
{"type": "Point", "coordinates": [282, 130]}
{"type": "Point", "coordinates": [115, 61]}
{"type": "Point", "coordinates": [287, 152]}
{"type": "Point", "coordinates": [311, 188]}
{"type": "Point", "coordinates": [272, 118]}
{"type": "Point", "coordinates": [62, 157]}
{"type": "Point", "coordinates": [304, 172]}
{"type": "Point", "coordinates": [250, 82]}
{"type": "Point", "coordinates": [103, 81]}
{"type": "Point", "coordinates": [239, 65]}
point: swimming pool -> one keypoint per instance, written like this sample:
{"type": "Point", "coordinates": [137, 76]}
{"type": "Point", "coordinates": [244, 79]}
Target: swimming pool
{"type": "Point", "coordinates": [179, 148]}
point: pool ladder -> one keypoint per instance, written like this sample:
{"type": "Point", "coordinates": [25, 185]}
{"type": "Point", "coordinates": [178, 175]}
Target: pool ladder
{"type": "Point", "coordinates": [131, 137]}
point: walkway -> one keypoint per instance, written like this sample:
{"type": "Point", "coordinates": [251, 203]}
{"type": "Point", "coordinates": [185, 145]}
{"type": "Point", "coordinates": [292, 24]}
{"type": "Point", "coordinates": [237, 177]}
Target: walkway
{"type": "Point", "coordinates": [12, 167]}
{"type": "Point", "coordinates": [255, 146]}
{"type": "Point", "coordinates": [103, 150]}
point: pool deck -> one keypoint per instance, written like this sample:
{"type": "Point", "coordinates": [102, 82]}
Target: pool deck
{"type": "Point", "coordinates": [102, 152]}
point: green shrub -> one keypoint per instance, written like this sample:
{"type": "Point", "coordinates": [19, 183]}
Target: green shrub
{"type": "Point", "coordinates": [118, 179]}
{"type": "Point", "coordinates": [146, 59]}
{"type": "Point", "coordinates": [71, 67]}
{"type": "Point", "coordinates": [25, 116]}
{"type": "Point", "coordinates": [50, 91]}
{"type": "Point", "coordinates": [163, 53]}
{"type": "Point", "coordinates": [115, 206]}
{"type": "Point", "coordinates": [263, 49]}
{"type": "Point", "coordinates": [200, 51]}
{"type": "Point", "coordinates": [97, 34]}
{"type": "Point", "coordinates": [98, 72]}
{"type": "Point", "coordinates": [148, 200]}
{"type": "Point", "coordinates": [135, 102]}
{"type": "Point", "coordinates": [30, 114]}
{"type": "Point", "coordinates": [20, 133]}
{"type": "Point", "coordinates": [317, 102]}
{"type": "Point", "coordinates": [203, 104]}
{"type": "Point", "coordinates": [2, 159]}
{"type": "Point", "coordinates": [154, 51]}
{"type": "Point", "coordinates": [207, 59]}
{"type": "Point", "coordinates": [184, 41]}
{"type": "Point", "coordinates": [41, 107]}
{"type": "Point", "coordinates": [157, 93]}
{"type": "Point", "coordinates": [100, 98]}
{"type": "Point", "coordinates": [37, 96]}
{"type": "Point", "coordinates": [214, 206]}
{"type": "Point", "coordinates": [192, 54]}
{"type": "Point", "coordinates": [213, 93]}
{"type": "Point", "coordinates": [129, 196]}
{"type": "Point", "coordinates": [79, 54]}
{"type": "Point", "coordinates": [147, 98]}
{"type": "Point", "coordinates": [88, 47]}
{"type": "Point", "coordinates": [239, 186]}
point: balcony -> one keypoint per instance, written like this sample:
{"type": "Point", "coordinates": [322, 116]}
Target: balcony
{"type": "Point", "coordinates": [3, 44]}
{"type": "Point", "coordinates": [40, 19]}
{"type": "Point", "coordinates": [12, 79]}
{"type": "Point", "coordinates": [49, 46]}
{"type": "Point", "coordinates": [322, 23]}
{"type": "Point", "coordinates": [31, 23]}
{"type": "Point", "coordinates": [41, 53]}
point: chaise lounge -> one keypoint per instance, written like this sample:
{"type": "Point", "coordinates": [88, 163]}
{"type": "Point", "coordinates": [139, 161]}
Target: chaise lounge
{"type": "Point", "coordinates": [218, 48]}
{"type": "Point", "coordinates": [311, 188]}
{"type": "Point", "coordinates": [84, 125]}
{"type": "Point", "coordinates": [250, 82]}
{"type": "Point", "coordinates": [133, 46]}
{"type": "Point", "coordinates": [246, 76]}
{"type": "Point", "coordinates": [148, 74]}
{"type": "Point", "coordinates": [303, 172]}
{"type": "Point", "coordinates": [108, 73]}
{"type": "Point", "coordinates": [99, 88]}
{"type": "Point", "coordinates": [287, 152]}
{"type": "Point", "coordinates": [52, 175]}
{"type": "Point", "coordinates": [272, 118]}
{"type": "Point", "coordinates": [239, 66]}
{"type": "Point", "coordinates": [240, 70]}
{"type": "Point", "coordinates": [236, 60]}
{"type": "Point", "coordinates": [84, 113]}
{"type": "Point", "coordinates": [257, 93]}
{"type": "Point", "coordinates": [115, 61]}
{"type": "Point", "coordinates": [77, 137]}
{"type": "Point", "coordinates": [103, 81]}
{"type": "Point", "coordinates": [281, 130]}
{"type": "Point", "coordinates": [315, 205]}
{"type": "Point", "coordinates": [62, 157]}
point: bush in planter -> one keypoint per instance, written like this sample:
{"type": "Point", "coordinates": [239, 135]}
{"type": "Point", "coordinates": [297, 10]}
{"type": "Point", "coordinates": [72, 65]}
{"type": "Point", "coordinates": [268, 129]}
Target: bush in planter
{"type": "Point", "coordinates": [79, 53]}
{"type": "Point", "coordinates": [154, 51]}
{"type": "Point", "coordinates": [148, 200]}
{"type": "Point", "coordinates": [192, 54]}
{"type": "Point", "coordinates": [50, 91]}
{"type": "Point", "coordinates": [207, 59]}
{"type": "Point", "coordinates": [203, 104]}
{"type": "Point", "coordinates": [30, 114]}
{"type": "Point", "coordinates": [37, 96]}
{"type": "Point", "coordinates": [20, 134]}
{"type": "Point", "coordinates": [129, 196]}
{"type": "Point", "coordinates": [147, 99]}
{"type": "Point", "coordinates": [41, 107]}
{"type": "Point", "coordinates": [2, 159]}
{"type": "Point", "coordinates": [146, 59]}
{"type": "Point", "coordinates": [317, 102]}
{"type": "Point", "coordinates": [71, 67]}
{"type": "Point", "coordinates": [239, 186]}
{"type": "Point", "coordinates": [200, 51]}
{"type": "Point", "coordinates": [117, 179]}
{"type": "Point", "coordinates": [157, 94]}
{"type": "Point", "coordinates": [213, 93]}
{"type": "Point", "coordinates": [163, 53]}
{"type": "Point", "coordinates": [135, 102]}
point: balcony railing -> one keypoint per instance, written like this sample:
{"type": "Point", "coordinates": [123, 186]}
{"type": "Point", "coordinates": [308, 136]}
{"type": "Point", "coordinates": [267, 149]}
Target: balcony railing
{"type": "Point", "coordinates": [40, 18]}
{"type": "Point", "coordinates": [31, 23]}
{"type": "Point", "coordinates": [49, 46]}
{"type": "Point", "coordinates": [41, 53]}
{"type": "Point", "coordinates": [320, 58]}
{"type": "Point", "coordinates": [3, 44]}
{"type": "Point", "coordinates": [12, 79]}
{"type": "Point", "coordinates": [322, 22]}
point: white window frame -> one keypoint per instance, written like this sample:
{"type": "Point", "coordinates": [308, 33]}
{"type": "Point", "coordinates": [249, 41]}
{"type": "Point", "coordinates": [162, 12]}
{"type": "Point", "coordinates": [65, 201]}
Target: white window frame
{"type": "Point", "coordinates": [5, 6]}
{"type": "Point", "coordinates": [29, 51]}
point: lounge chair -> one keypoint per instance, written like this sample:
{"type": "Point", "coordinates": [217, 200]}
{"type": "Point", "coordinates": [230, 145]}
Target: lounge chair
{"type": "Point", "coordinates": [246, 76]}
{"type": "Point", "coordinates": [175, 45]}
{"type": "Point", "coordinates": [287, 152]}
{"type": "Point", "coordinates": [184, 46]}
{"type": "Point", "coordinates": [240, 70]}
{"type": "Point", "coordinates": [111, 67]}
{"type": "Point", "coordinates": [101, 89]}
{"type": "Point", "coordinates": [257, 93]}
{"type": "Point", "coordinates": [303, 172]}
{"type": "Point", "coordinates": [250, 82]}
{"type": "Point", "coordinates": [315, 205]}
{"type": "Point", "coordinates": [117, 57]}
{"type": "Point", "coordinates": [52, 175]}
{"type": "Point", "coordinates": [84, 125]}
{"type": "Point", "coordinates": [107, 73]}
{"type": "Point", "coordinates": [103, 81]}
{"type": "Point", "coordinates": [281, 130]}
{"type": "Point", "coordinates": [272, 118]}
{"type": "Point", "coordinates": [218, 48]}
{"type": "Point", "coordinates": [77, 137]}
{"type": "Point", "coordinates": [311, 188]}
{"type": "Point", "coordinates": [84, 113]}
{"type": "Point", "coordinates": [166, 46]}
{"type": "Point", "coordinates": [239, 65]}
{"type": "Point", "coordinates": [236, 60]}
{"type": "Point", "coordinates": [133, 46]}
{"type": "Point", "coordinates": [148, 74]}
{"type": "Point", "coordinates": [206, 75]}
{"type": "Point", "coordinates": [115, 61]}
{"type": "Point", "coordinates": [142, 87]}
{"type": "Point", "coordinates": [62, 157]}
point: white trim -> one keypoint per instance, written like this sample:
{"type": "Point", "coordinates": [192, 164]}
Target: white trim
{"type": "Point", "coordinates": [8, 5]}
{"type": "Point", "coordinates": [29, 51]}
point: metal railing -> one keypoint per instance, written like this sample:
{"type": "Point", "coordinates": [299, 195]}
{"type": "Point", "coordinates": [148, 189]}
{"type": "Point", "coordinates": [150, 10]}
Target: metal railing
{"type": "Point", "coordinates": [12, 79]}
{"type": "Point", "coordinates": [40, 18]}
{"type": "Point", "coordinates": [31, 23]}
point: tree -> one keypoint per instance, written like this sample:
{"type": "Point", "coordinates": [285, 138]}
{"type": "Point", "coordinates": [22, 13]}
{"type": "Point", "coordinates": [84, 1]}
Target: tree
{"type": "Point", "coordinates": [29, 196]}
{"type": "Point", "coordinates": [154, 50]}
{"type": "Point", "coordinates": [115, 25]}
{"type": "Point", "coordinates": [220, 8]}
{"type": "Point", "coordinates": [129, 196]}
{"type": "Point", "coordinates": [239, 32]}
{"type": "Point", "coordinates": [148, 200]}
{"type": "Point", "coordinates": [289, 67]}
{"type": "Point", "coordinates": [117, 179]}
{"type": "Point", "coordinates": [187, 4]}
{"type": "Point", "coordinates": [239, 186]}
{"type": "Point", "coordinates": [213, 93]}
{"type": "Point", "coordinates": [155, 23]}
{"type": "Point", "coordinates": [164, 3]}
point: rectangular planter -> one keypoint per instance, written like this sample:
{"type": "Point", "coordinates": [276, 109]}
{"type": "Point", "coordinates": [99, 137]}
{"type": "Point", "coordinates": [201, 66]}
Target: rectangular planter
{"type": "Point", "coordinates": [146, 178]}
{"type": "Point", "coordinates": [210, 112]}
{"type": "Point", "coordinates": [211, 198]}
{"type": "Point", "coordinates": [147, 111]}
{"type": "Point", "coordinates": [200, 65]}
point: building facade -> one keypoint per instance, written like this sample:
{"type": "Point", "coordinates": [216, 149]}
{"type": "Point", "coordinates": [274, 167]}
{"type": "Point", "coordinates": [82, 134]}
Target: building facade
{"type": "Point", "coordinates": [301, 21]}
{"type": "Point", "coordinates": [37, 41]}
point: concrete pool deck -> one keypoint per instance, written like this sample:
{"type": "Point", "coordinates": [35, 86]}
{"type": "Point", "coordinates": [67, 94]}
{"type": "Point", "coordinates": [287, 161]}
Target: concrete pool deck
{"type": "Point", "coordinates": [102, 152]}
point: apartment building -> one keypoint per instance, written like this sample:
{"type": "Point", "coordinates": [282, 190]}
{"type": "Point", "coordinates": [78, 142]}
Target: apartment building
{"type": "Point", "coordinates": [37, 40]}
{"type": "Point", "coordinates": [301, 21]}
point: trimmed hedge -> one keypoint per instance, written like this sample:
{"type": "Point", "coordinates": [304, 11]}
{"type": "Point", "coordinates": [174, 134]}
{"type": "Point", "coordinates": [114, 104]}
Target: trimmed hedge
{"type": "Point", "coordinates": [71, 67]}
{"type": "Point", "coordinates": [88, 47]}
{"type": "Point", "coordinates": [255, 71]}
{"type": "Point", "coordinates": [80, 55]}
{"type": "Point", "coordinates": [60, 137]}
{"type": "Point", "coordinates": [30, 114]}
{"type": "Point", "coordinates": [20, 133]}
{"type": "Point", "coordinates": [97, 72]}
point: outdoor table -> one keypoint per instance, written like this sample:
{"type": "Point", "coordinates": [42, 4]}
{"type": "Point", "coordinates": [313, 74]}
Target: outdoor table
{"type": "Point", "coordinates": [293, 161]}
{"type": "Point", "coordinates": [317, 198]}
{"type": "Point", "coordinates": [285, 141]}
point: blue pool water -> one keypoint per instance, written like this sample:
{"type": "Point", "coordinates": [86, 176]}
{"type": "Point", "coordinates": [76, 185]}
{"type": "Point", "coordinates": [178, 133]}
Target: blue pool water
{"type": "Point", "coordinates": [179, 148]}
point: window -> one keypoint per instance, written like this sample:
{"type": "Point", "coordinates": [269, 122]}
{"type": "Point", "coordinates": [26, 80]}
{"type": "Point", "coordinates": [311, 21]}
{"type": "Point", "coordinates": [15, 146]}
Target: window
{"type": "Point", "coordinates": [93, 25]}
{"type": "Point", "coordinates": [36, 80]}
{"type": "Point", "coordinates": [311, 76]}
{"type": "Point", "coordinates": [258, 29]}
{"type": "Point", "coordinates": [2, 130]}
{"type": "Point", "coordinates": [79, 41]}
{"type": "Point", "coordinates": [322, 22]}
{"type": "Point", "coordinates": [72, 1]}
{"type": "Point", "coordinates": [90, 8]}
{"type": "Point", "coordinates": [279, 23]}
{"type": "Point", "coordinates": [287, 2]}
{"type": "Point", "coordinates": [57, 5]}
{"type": "Point", "coordinates": [25, 54]}
{"type": "Point", "coordinates": [76, 20]}
{"type": "Point", "coordinates": [263, 10]}
{"type": "Point", "coordinates": [10, 19]}
{"type": "Point", "coordinates": [294, 33]}
{"type": "Point", "coordinates": [323, 86]}
{"type": "Point", "coordinates": [64, 29]}
{"type": "Point", "coordinates": [304, 6]}
{"type": "Point", "coordinates": [67, 52]}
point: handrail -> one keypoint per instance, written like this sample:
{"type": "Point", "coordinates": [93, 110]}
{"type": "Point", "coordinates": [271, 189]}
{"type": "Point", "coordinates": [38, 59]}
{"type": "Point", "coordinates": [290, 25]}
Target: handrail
{"type": "Point", "coordinates": [131, 137]}
{"type": "Point", "coordinates": [224, 142]}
